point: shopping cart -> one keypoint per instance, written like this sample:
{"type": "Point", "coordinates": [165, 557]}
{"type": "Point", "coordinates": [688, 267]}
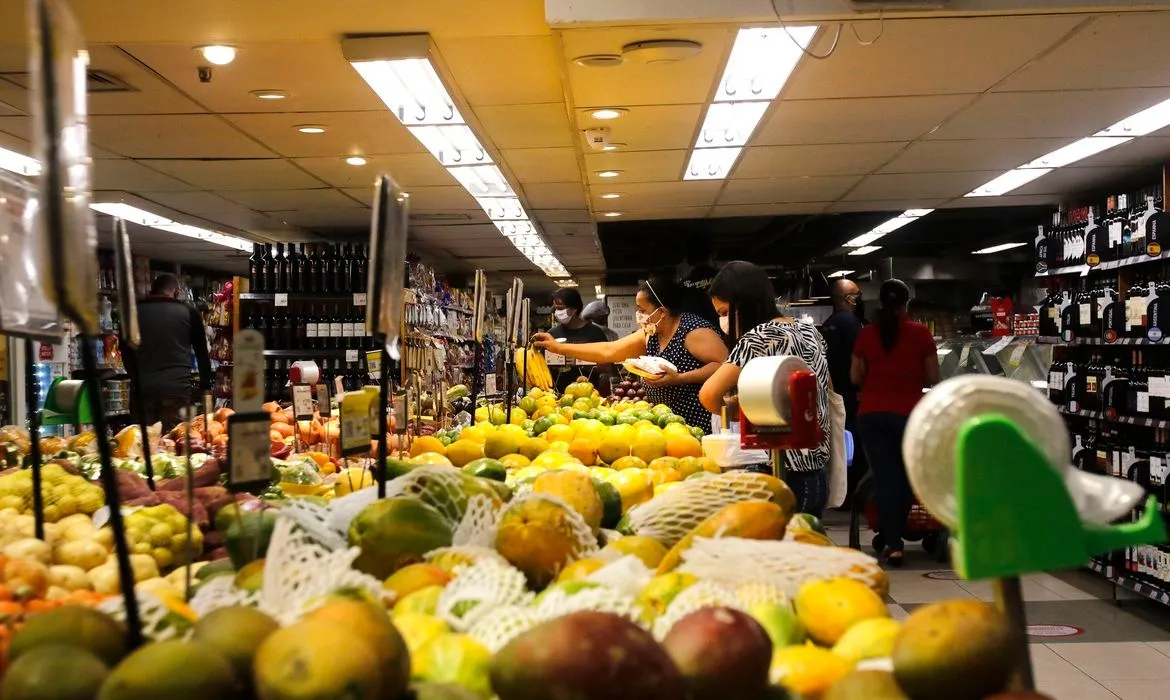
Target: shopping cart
{"type": "Point", "coordinates": [920, 525]}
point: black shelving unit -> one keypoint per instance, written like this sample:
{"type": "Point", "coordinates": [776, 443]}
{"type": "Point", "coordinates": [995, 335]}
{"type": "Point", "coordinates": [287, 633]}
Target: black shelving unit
{"type": "Point", "coordinates": [297, 297]}
{"type": "Point", "coordinates": [308, 354]}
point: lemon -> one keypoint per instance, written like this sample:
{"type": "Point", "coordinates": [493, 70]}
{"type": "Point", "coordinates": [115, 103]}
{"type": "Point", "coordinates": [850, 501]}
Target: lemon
{"type": "Point", "coordinates": [868, 639]}
{"type": "Point", "coordinates": [830, 607]}
{"type": "Point", "coordinates": [806, 670]}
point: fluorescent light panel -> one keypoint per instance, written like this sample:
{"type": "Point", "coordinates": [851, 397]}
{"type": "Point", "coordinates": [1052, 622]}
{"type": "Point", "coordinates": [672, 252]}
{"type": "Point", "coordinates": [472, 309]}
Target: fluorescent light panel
{"type": "Point", "coordinates": [997, 248]}
{"type": "Point", "coordinates": [566, 283]}
{"type": "Point", "coordinates": [413, 91]}
{"type": "Point", "coordinates": [866, 250]}
{"type": "Point", "coordinates": [19, 163]}
{"type": "Point", "coordinates": [1012, 179]}
{"type": "Point", "coordinates": [839, 273]}
{"type": "Point", "coordinates": [761, 61]}
{"type": "Point", "coordinates": [890, 225]}
{"type": "Point", "coordinates": [145, 218]}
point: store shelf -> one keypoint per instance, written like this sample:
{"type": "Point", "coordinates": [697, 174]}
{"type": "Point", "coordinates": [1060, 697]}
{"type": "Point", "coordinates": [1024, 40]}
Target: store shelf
{"type": "Point", "coordinates": [310, 354]}
{"type": "Point", "coordinates": [1119, 341]}
{"type": "Point", "coordinates": [1125, 420]}
{"type": "Point", "coordinates": [1111, 265]}
{"type": "Point", "coordinates": [1147, 590]}
{"type": "Point", "coordinates": [294, 297]}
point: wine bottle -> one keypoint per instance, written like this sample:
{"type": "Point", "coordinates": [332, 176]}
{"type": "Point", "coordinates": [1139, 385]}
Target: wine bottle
{"type": "Point", "coordinates": [337, 267]}
{"type": "Point", "coordinates": [358, 272]}
{"type": "Point", "coordinates": [254, 267]}
{"type": "Point", "coordinates": [326, 269]}
{"type": "Point", "coordinates": [336, 328]}
{"type": "Point", "coordinates": [267, 274]}
{"type": "Point", "coordinates": [311, 334]}
{"type": "Point", "coordinates": [313, 270]}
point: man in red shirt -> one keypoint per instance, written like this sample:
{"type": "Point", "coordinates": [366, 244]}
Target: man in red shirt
{"type": "Point", "coordinates": [893, 361]}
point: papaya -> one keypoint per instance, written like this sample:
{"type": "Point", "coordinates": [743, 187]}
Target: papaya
{"type": "Point", "coordinates": [576, 490]}
{"type": "Point", "coordinates": [397, 467]}
{"type": "Point", "coordinates": [539, 536]}
{"type": "Point", "coordinates": [753, 520]}
{"type": "Point", "coordinates": [611, 503]}
{"type": "Point", "coordinates": [810, 537]}
{"type": "Point", "coordinates": [395, 532]}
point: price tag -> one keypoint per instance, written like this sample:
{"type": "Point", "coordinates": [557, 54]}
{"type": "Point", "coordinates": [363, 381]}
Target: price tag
{"type": "Point", "coordinates": [280, 300]}
{"type": "Point", "coordinates": [489, 384]}
{"type": "Point", "coordinates": [249, 450]}
{"type": "Point", "coordinates": [398, 407]}
{"type": "Point", "coordinates": [375, 396]}
{"type": "Point", "coordinates": [302, 396]}
{"type": "Point", "coordinates": [553, 359]}
{"type": "Point", "coordinates": [324, 404]}
{"type": "Point", "coordinates": [359, 299]}
{"type": "Point", "coordinates": [355, 423]}
{"type": "Point", "coordinates": [1018, 355]}
{"type": "Point", "coordinates": [351, 355]}
{"type": "Point", "coordinates": [374, 363]}
{"type": "Point", "coordinates": [338, 386]}
{"type": "Point", "coordinates": [248, 371]}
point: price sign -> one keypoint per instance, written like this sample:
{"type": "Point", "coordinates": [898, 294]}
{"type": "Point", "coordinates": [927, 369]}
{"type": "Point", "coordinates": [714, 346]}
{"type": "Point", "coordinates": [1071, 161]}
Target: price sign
{"type": "Point", "coordinates": [374, 363]}
{"type": "Point", "coordinates": [280, 300]}
{"type": "Point", "coordinates": [351, 355]}
{"type": "Point", "coordinates": [398, 407]}
{"type": "Point", "coordinates": [359, 299]}
{"type": "Point", "coordinates": [248, 371]}
{"type": "Point", "coordinates": [302, 396]}
{"type": "Point", "coordinates": [554, 360]}
{"type": "Point", "coordinates": [489, 384]}
{"type": "Point", "coordinates": [355, 423]}
{"type": "Point", "coordinates": [622, 319]}
{"type": "Point", "coordinates": [324, 403]}
{"type": "Point", "coordinates": [1018, 354]}
{"type": "Point", "coordinates": [375, 397]}
{"type": "Point", "coordinates": [249, 450]}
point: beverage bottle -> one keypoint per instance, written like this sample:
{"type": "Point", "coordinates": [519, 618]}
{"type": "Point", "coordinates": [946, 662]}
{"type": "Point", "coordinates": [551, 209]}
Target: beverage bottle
{"type": "Point", "coordinates": [338, 270]}
{"type": "Point", "coordinates": [326, 278]}
{"type": "Point", "coordinates": [254, 267]}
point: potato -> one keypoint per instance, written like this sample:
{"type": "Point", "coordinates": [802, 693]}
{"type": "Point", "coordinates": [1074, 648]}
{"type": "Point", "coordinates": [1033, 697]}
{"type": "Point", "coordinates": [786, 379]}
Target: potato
{"type": "Point", "coordinates": [71, 578]}
{"type": "Point", "coordinates": [86, 554]}
{"type": "Point", "coordinates": [30, 548]}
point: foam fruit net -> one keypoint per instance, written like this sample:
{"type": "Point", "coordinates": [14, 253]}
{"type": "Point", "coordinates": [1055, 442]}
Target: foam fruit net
{"type": "Point", "coordinates": [157, 619]}
{"type": "Point", "coordinates": [671, 516]}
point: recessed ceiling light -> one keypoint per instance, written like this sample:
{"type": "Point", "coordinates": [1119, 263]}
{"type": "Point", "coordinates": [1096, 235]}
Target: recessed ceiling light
{"type": "Point", "coordinates": [599, 60]}
{"type": "Point", "coordinates": [269, 94]}
{"type": "Point", "coordinates": [609, 173]}
{"type": "Point", "coordinates": [612, 214]}
{"type": "Point", "coordinates": [612, 195]}
{"type": "Point", "coordinates": [607, 113]}
{"type": "Point", "coordinates": [311, 129]}
{"type": "Point", "coordinates": [613, 146]}
{"type": "Point", "coordinates": [219, 54]}
{"type": "Point", "coordinates": [355, 160]}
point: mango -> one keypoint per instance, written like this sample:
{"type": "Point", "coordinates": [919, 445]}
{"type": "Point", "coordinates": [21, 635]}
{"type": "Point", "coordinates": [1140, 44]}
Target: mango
{"type": "Point", "coordinates": [870, 685]}
{"type": "Point", "coordinates": [538, 536]}
{"type": "Point", "coordinates": [415, 577]}
{"type": "Point", "coordinates": [395, 532]}
{"type": "Point", "coordinates": [586, 656]}
{"type": "Point", "coordinates": [576, 490]}
{"type": "Point", "coordinates": [753, 520]}
{"type": "Point", "coordinates": [722, 653]}
{"type": "Point", "coordinates": [370, 623]}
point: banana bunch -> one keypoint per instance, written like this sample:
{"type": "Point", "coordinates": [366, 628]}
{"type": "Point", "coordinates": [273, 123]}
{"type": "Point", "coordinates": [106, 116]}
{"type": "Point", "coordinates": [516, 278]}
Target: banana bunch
{"type": "Point", "coordinates": [538, 374]}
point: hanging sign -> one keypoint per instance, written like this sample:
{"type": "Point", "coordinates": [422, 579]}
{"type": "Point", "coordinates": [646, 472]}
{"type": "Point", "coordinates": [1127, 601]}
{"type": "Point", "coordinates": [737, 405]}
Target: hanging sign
{"type": "Point", "coordinates": [387, 276]}
{"type": "Point", "coordinates": [130, 334]}
{"type": "Point", "coordinates": [622, 310]}
{"type": "Point", "coordinates": [24, 310]}
{"type": "Point", "coordinates": [302, 398]}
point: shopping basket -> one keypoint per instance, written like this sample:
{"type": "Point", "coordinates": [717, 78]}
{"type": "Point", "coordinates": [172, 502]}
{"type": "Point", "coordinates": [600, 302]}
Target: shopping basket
{"type": "Point", "coordinates": [920, 525]}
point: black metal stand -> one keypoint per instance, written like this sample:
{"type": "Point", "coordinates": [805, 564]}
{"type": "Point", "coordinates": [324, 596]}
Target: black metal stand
{"type": "Point", "coordinates": [524, 374]}
{"type": "Point", "coordinates": [110, 484]}
{"type": "Point", "coordinates": [476, 379]}
{"type": "Point", "coordinates": [383, 400]}
{"type": "Point", "coordinates": [140, 416]}
{"type": "Point", "coordinates": [509, 366]}
{"type": "Point", "coordinates": [34, 437]}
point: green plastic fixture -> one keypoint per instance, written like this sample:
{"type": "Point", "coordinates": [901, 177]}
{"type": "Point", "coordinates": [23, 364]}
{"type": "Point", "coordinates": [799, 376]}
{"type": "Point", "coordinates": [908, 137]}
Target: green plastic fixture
{"type": "Point", "coordinates": [1015, 513]}
{"type": "Point", "coordinates": [67, 403]}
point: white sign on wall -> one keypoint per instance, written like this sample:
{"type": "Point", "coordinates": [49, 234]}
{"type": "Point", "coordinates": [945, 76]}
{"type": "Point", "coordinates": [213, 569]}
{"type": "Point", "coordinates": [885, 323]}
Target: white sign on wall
{"type": "Point", "coordinates": [621, 314]}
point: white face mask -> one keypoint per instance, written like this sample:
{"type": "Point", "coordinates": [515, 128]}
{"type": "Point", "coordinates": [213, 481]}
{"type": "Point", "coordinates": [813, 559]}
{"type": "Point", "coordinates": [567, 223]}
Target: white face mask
{"type": "Point", "coordinates": [644, 322]}
{"type": "Point", "coordinates": [725, 324]}
{"type": "Point", "coordinates": [563, 315]}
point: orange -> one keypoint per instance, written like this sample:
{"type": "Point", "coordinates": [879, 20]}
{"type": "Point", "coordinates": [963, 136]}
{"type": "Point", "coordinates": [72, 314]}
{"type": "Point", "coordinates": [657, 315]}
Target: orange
{"type": "Point", "coordinates": [665, 476]}
{"type": "Point", "coordinates": [807, 670]}
{"type": "Point", "coordinates": [689, 465]}
{"type": "Point", "coordinates": [559, 433]}
{"type": "Point", "coordinates": [635, 486]}
{"type": "Point", "coordinates": [628, 463]}
{"type": "Point", "coordinates": [649, 446]}
{"type": "Point", "coordinates": [679, 445]}
{"type": "Point", "coordinates": [829, 607]}
{"type": "Point", "coordinates": [583, 450]}
{"type": "Point", "coordinates": [463, 452]}
{"type": "Point", "coordinates": [426, 443]}
{"type": "Point", "coordinates": [515, 461]}
{"type": "Point", "coordinates": [663, 463]}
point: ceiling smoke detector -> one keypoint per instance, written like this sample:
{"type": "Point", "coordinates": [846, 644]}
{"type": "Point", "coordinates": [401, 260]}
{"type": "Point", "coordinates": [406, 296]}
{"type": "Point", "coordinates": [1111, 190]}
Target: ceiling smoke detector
{"type": "Point", "coordinates": [599, 60]}
{"type": "Point", "coordinates": [657, 51]}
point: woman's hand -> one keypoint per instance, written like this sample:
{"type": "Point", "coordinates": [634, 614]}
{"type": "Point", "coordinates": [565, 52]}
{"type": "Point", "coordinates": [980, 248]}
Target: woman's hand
{"type": "Point", "coordinates": [669, 377]}
{"type": "Point", "coordinates": [542, 340]}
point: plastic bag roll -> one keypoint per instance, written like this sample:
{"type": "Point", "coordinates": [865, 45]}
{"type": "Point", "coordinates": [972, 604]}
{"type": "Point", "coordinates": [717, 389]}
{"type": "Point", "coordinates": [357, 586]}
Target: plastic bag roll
{"type": "Point", "coordinates": [763, 389]}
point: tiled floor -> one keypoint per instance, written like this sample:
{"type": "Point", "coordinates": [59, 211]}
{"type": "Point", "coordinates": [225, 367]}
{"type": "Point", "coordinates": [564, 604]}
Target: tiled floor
{"type": "Point", "coordinates": [1115, 652]}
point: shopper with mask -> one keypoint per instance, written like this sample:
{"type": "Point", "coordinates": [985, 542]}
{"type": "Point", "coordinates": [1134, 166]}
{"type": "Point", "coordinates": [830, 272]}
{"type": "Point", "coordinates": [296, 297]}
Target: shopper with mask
{"type": "Point", "coordinates": [840, 330]}
{"type": "Point", "coordinates": [572, 329]}
{"type": "Point", "coordinates": [597, 312]}
{"type": "Point", "coordinates": [685, 340]}
{"type": "Point", "coordinates": [745, 300]}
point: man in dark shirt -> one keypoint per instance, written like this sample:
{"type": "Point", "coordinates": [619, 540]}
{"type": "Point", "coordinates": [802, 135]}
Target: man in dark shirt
{"type": "Point", "coordinates": [171, 331]}
{"type": "Point", "coordinates": [840, 331]}
{"type": "Point", "coordinates": [570, 326]}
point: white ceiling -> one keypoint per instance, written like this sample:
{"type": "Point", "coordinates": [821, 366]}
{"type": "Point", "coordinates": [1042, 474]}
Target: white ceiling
{"type": "Point", "coordinates": [931, 109]}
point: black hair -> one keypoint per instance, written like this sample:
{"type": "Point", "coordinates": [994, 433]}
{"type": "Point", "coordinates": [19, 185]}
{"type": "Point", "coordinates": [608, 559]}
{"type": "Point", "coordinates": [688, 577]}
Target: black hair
{"type": "Point", "coordinates": [570, 297]}
{"type": "Point", "coordinates": [749, 294]}
{"type": "Point", "coordinates": [166, 283]}
{"type": "Point", "coordinates": [894, 295]}
{"type": "Point", "coordinates": [663, 290]}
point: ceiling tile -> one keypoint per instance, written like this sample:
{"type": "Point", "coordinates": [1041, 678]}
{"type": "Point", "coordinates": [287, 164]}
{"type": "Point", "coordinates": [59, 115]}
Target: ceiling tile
{"type": "Point", "coordinates": [649, 166]}
{"type": "Point", "coordinates": [347, 133]}
{"type": "Point", "coordinates": [635, 83]}
{"type": "Point", "coordinates": [482, 232]}
{"type": "Point", "coordinates": [265, 173]}
{"type": "Point", "coordinates": [785, 190]}
{"type": "Point", "coordinates": [640, 195]}
{"type": "Point", "coordinates": [313, 73]}
{"type": "Point", "coordinates": [650, 128]}
{"type": "Point", "coordinates": [1011, 200]}
{"type": "Point", "coordinates": [1071, 181]}
{"type": "Point", "coordinates": [578, 231]}
{"type": "Point", "coordinates": [1047, 114]}
{"type": "Point", "coordinates": [920, 56]}
{"type": "Point", "coordinates": [504, 70]}
{"type": "Point", "coordinates": [449, 197]}
{"type": "Point", "coordinates": [826, 159]}
{"type": "Point", "coordinates": [346, 217]}
{"type": "Point", "coordinates": [767, 209]}
{"type": "Point", "coordinates": [856, 120]}
{"type": "Point", "coordinates": [526, 126]}
{"type": "Point", "coordinates": [284, 200]}
{"type": "Point", "coordinates": [561, 216]}
{"type": "Point", "coordinates": [665, 213]}
{"type": "Point", "coordinates": [1117, 50]}
{"type": "Point", "coordinates": [173, 136]}
{"type": "Point", "coordinates": [981, 154]}
{"type": "Point", "coordinates": [928, 185]}
{"type": "Point", "coordinates": [545, 165]}
{"type": "Point", "coordinates": [121, 174]}
{"type": "Point", "coordinates": [204, 205]}
{"type": "Point", "coordinates": [889, 205]}
{"type": "Point", "coordinates": [408, 170]}
{"type": "Point", "coordinates": [557, 195]}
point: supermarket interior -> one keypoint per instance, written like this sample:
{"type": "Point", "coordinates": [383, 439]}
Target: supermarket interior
{"type": "Point", "coordinates": [519, 349]}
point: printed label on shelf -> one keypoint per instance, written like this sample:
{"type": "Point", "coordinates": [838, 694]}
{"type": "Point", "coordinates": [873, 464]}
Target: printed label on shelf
{"type": "Point", "coordinates": [248, 371]}
{"type": "Point", "coordinates": [999, 345]}
{"type": "Point", "coordinates": [1018, 355]}
{"type": "Point", "coordinates": [554, 360]}
{"type": "Point", "coordinates": [489, 384]}
{"type": "Point", "coordinates": [338, 386]}
{"type": "Point", "coordinates": [1143, 402]}
{"type": "Point", "coordinates": [302, 397]}
{"type": "Point", "coordinates": [249, 449]}
{"type": "Point", "coordinates": [324, 403]}
{"type": "Point", "coordinates": [280, 300]}
{"type": "Point", "coordinates": [355, 422]}
{"type": "Point", "coordinates": [359, 299]}
{"type": "Point", "coordinates": [351, 355]}
{"type": "Point", "coordinates": [374, 363]}
{"type": "Point", "coordinates": [1085, 314]}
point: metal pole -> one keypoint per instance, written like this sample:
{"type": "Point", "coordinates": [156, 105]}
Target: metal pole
{"type": "Point", "coordinates": [140, 411]}
{"type": "Point", "coordinates": [34, 437]}
{"type": "Point", "coordinates": [1010, 600]}
{"type": "Point", "coordinates": [383, 398]}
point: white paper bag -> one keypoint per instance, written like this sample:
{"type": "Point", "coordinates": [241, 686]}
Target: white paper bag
{"type": "Point", "coordinates": [838, 459]}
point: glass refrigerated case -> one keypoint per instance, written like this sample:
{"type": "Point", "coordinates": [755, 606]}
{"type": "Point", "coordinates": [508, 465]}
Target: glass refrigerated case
{"type": "Point", "coordinates": [1022, 358]}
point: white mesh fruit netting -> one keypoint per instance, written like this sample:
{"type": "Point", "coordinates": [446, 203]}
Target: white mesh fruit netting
{"type": "Point", "coordinates": [298, 573]}
{"type": "Point", "coordinates": [443, 488]}
{"type": "Point", "coordinates": [557, 602]}
{"type": "Point", "coordinates": [626, 574]}
{"type": "Point", "coordinates": [671, 516]}
{"type": "Point", "coordinates": [314, 519]}
{"type": "Point", "coordinates": [577, 528]}
{"type": "Point", "coordinates": [478, 526]}
{"type": "Point", "coordinates": [158, 621]}
{"type": "Point", "coordinates": [704, 594]}
{"type": "Point", "coordinates": [734, 561]}
{"type": "Point", "coordinates": [479, 589]}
